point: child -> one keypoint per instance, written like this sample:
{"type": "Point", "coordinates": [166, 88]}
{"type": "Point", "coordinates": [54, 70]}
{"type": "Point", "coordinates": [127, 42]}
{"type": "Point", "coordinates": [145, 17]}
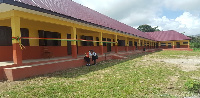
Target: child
{"type": "Point", "coordinates": [94, 57]}
{"type": "Point", "coordinates": [87, 58]}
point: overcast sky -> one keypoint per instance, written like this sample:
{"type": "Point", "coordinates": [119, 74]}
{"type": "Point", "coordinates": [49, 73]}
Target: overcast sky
{"type": "Point", "coordinates": [179, 15]}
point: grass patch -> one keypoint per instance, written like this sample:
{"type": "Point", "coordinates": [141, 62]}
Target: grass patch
{"type": "Point", "coordinates": [138, 76]}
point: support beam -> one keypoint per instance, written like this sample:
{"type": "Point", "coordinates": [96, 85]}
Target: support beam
{"type": "Point", "coordinates": [116, 44]}
{"type": "Point", "coordinates": [17, 52]}
{"type": "Point", "coordinates": [159, 44]}
{"type": "Point", "coordinates": [101, 44]}
{"type": "Point", "coordinates": [32, 33]}
{"type": "Point", "coordinates": [5, 15]}
{"type": "Point", "coordinates": [138, 44]}
{"type": "Point", "coordinates": [188, 43]}
{"type": "Point", "coordinates": [63, 36]}
{"type": "Point", "coordinates": [126, 44]}
{"type": "Point", "coordinates": [73, 43]}
{"type": "Point", "coordinates": [133, 41]}
{"type": "Point", "coordinates": [173, 44]}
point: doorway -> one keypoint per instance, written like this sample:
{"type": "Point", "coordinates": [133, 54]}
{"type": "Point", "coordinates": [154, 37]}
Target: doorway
{"type": "Point", "coordinates": [108, 45]}
{"type": "Point", "coordinates": [69, 49]}
{"type": "Point", "coordinates": [177, 44]}
{"type": "Point", "coordinates": [135, 43]}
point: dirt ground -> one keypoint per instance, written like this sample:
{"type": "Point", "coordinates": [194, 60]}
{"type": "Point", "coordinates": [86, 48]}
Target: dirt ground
{"type": "Point", "coordinates": [187, 64]}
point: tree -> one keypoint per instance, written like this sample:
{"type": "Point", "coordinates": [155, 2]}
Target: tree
{"type": "Point", "coordinates": [147, 28]}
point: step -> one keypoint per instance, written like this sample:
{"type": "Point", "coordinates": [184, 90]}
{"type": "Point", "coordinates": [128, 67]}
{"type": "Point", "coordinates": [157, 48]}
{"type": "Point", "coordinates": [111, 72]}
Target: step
{"type": "Point", "coordinates": [21, 72]}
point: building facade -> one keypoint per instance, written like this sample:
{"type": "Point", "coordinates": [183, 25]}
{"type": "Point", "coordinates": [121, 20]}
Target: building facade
{"type": "Point", "coordinates": [28, 27]}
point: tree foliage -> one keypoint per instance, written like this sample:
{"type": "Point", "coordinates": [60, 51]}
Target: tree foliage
{"type": "Point", "coordinates": [147, 28]}
{"type": "Point", "coordinates": [195, 42]}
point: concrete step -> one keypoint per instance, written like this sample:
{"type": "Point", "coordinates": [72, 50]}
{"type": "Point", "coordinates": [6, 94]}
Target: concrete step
{"type": "Point", "coordinates": [21, 72]}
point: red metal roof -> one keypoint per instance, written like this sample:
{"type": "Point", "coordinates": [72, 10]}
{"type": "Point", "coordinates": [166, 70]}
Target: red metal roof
{"type": "Point", "coordinates": [75, 10]}
{"type": "Point", "coordinates": [167, 35]}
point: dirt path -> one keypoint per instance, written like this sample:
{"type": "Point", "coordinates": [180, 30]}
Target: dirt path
{"type": "Point", "coordinates": [190, 63]}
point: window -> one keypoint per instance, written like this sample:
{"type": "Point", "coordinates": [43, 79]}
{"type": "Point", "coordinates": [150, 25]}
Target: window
{"type": "Point", "coordinates": [121, 42]}
{"type": "Point", "coordinates": [169, 45]}
{"type": "Point", "coordinates": [163, 44]}
{"type": "Point", "coordinates": [104, 39]}
{"type": "Point", "coordinates": [130, 43]}
{"type": "Point", "coordinates": [5, 36]}
{"type": "Point", "coordinates": [86, 43]}
{"type": "Point", "coordinates": [48, 34]}
{"type": "Point", "coordinates": [185, 42]}
{"type": "Point", "coordinates": [25, 33]}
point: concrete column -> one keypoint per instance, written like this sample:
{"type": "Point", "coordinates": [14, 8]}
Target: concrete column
{"type": "Point", "coordinates": [159, 44]}
{"type": "Point", "coordinates": [63, 36]}
{"type": "Point", "coordinates": [167, 44]}
{"type": "Point", "coordinates": [17, 52]}
{"type": "Point", "coordinates": [173, 44]}
{"type": "Point", "coordinates": [138, 44]}
{"type": "Point", "coordinates": [33, 33]}
{"type": "Point", "coordinates": [100, 43]}
{"type": "Point", "coordinates": [116, 44]}
{"type": "Point", "coordinates": [143, 43]}
{"type": "Point", "coordinates": [73, 43]}
{"type": "Point", "coordinates": [188, 44]}
{"type": "Point", "coordinates": [126, 44]}
{"type": "Point", "coordinates": [133, 41]}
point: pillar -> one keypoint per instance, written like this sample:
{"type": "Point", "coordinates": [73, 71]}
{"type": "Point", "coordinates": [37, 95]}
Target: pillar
{"type": "Point", "coordinates": [138, 44]}
{"type": "Point", "coordinates": [100, 43]}
{"type": "Point", "coordinates": [33, 33]}
{"type": "Point", "coordinates": [159, 44]}
{"type": "Point", "coordinates": [167, 45]}
{"type": "Point", "coordinates": [143, 44]}
{"type": "Point", "coordinates": [126, 44]}
{"type": "Point", "coordinates": [73, 43]}
{"type": "Point", "coordinates": [133, 41]}
{"type": "Point", "coordinates": [188, 44]}
{"type": "Point", "coordinates": [116, 44]}
{"type": "Point", "coordinates": [149, 44]}
{"type": "Point", "coordinates": [173, 44]}
{"type": "Point", "coordinates": [63, 36]}
{"type": "Point", "coordinates": [17, 52]}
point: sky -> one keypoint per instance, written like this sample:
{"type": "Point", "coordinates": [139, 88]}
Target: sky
{"type": "Point", "coordinates": [179, 15]}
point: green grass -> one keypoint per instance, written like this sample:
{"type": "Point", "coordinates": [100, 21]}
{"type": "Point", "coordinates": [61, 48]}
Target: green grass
{"type": "Point", "coordinates": [132, 77]}
{"type": "Point", "coordinates": [196, 49]}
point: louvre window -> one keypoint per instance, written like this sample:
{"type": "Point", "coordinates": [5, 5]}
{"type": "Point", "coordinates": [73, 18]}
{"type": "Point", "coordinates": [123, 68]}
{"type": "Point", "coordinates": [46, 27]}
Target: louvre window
{"type": "Point", "coordinates": [163, 44]}
{"type": "Point", "coordinates": [48, 34]}
{"type": "Point", "coordinates": [185, 42]}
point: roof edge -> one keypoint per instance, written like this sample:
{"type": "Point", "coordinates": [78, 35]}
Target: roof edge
{"type": "Point", "coordinates": [27, 6]}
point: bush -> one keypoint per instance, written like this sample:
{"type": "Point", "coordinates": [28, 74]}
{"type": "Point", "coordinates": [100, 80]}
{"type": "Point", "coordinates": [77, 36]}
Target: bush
{"type": "Point", "coordinates": [193, 86]}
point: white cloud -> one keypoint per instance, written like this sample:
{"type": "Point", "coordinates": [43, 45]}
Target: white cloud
{"type": "Point", "coordinates": [186, 5]}
{"type": "Point", "coordinates": [138, 12]}
{"type": "Point", "coordinates": [187, 23]}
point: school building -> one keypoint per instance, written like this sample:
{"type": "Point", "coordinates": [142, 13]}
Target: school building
{"type": "Point", "coordinates": [37, 29]}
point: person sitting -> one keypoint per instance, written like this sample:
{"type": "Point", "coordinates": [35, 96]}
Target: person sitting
{"type": "Point", "coordinates": [94, 57]}
{"type": "Point", "coordinates": [87, 58]}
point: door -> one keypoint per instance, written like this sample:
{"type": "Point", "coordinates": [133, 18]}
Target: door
{"type": "Point", "coordinates": [177, 44]}
{"type": "Point", "coordinates": [69, 49]}
{"type": "Point", "coordinates": [135, 43]}
{"type": "Point", "coordinates": [108, 45]}
{"type": "Point", "coordinates": [156, 45]}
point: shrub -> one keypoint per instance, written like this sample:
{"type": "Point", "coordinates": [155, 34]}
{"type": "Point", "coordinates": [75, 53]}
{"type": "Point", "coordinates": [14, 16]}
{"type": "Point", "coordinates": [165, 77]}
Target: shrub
{"type": "Point", "coordinates": [193, 86]}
